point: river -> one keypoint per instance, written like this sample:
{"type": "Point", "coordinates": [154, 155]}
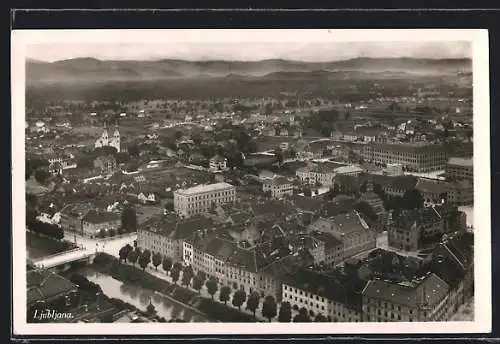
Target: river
{"type": "Point", "coordinates": [140, 297]}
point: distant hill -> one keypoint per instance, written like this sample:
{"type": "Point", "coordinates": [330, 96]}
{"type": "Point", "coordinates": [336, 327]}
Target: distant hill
{"type": "Point", "coordinates": [90, 69]}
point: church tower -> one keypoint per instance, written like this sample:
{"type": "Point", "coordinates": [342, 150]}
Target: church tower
{"type": "Point", "coordinates": [115, 140]}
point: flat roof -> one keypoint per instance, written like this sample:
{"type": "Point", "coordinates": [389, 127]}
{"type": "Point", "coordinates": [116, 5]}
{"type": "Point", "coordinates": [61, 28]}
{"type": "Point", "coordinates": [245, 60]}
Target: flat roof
{"type": "Point", "coordinates": [205, 188]}
{"type": "Point", "coordinates": [461, 161]}
{"type": "Point", "coordinates": [348, 169]}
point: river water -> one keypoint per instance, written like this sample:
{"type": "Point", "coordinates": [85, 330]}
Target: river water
{"type": "Point", "coordinates": [140, 297]}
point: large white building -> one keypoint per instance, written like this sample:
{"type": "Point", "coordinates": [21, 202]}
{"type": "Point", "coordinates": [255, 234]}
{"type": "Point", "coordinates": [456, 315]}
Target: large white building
{"type": "Point", "coordinates": [278, 187]}
{"type": "Point", "coordinates": [202, 198]}
{"type": "Point", "coordinates": [109, 141]}
{"type": "Point", "coordinates": [322, 294]}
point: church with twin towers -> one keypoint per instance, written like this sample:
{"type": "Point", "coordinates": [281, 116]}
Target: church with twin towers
{"type": "Point", "coordinates": [109, 141]}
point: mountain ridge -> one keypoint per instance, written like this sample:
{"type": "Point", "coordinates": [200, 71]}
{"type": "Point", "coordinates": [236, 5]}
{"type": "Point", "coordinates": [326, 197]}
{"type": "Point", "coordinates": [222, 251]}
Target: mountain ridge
{"type": "Point", "coordinates": [92, 69]}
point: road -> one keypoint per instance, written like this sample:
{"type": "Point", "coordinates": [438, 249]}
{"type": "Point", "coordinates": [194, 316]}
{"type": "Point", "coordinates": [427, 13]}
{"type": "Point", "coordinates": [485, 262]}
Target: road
{"type": "Point", "coordinates": [109, 246]}
{"type": "Point", "coordinates": [62, 258]}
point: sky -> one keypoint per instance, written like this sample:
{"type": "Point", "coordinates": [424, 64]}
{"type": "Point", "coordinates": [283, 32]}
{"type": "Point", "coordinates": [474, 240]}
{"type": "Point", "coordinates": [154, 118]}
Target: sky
{"type": "Point", "coordinates": [247, 51]}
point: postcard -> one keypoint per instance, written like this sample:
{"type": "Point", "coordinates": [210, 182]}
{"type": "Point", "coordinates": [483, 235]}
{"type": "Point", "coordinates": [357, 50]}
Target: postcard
{"type": "Point", "coordinates": [241, 181]}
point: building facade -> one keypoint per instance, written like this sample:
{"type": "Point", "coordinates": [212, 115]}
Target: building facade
{"type": "Point", "coordinates": [105, 140]}
{"type": "Point", "coordinates": [416, 301]}
{"type": "Point", "coordinates": [460, 169]}
{"type": "Point", "coordinates": [321, 294]}
{"type": "Point", "coordinates": [278, 187]}
{"type": "Point", "coordinates": [94, 222]}
{"type": "Point", "coordinates": [413, 157]}
{"type": "Point", "coordinates": [218, 163]}
{"type": "Point", "coordinates": [318, 173]}
{"type": "Point", "coordinates": [105, 164]}
{"type": "Point", "coordinates": [202, 198]}
{"type": "Point", "coordinates": [421, 228]}
{"type": "Point", "coordinates": [350, 229]}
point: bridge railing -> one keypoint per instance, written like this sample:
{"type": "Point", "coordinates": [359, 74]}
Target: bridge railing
{"type": "Point", "coordinates": [58, 254]}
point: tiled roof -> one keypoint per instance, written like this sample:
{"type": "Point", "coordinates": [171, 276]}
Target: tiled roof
{"type": "Point", "coordinates": [328, 239]}
{"type": "Point", "coordinates": [278, 181]}
{"type": "Point", "coordinates": [348, 223]}
{"type": "Point", "coordinates": [325, 286]}
{"type": "Point", "coordinates": [218, 158]}
{"type": "Point", "coordinates": [469, 162]}
{"type": "Point", "coordinates": [244, 259]}
{"type": "Point", "coordinates": [430, 291]}
{"type": "Point", "coordinates": [220, 249]}
{"type": "Point", "coordinates": [432, 186]}
{"type": "Point", "coordinates": [100, 217]}
{"type": "Point", "coordinates": [42, 285]}
{"type": "Point", "coordinates": [420, 216]}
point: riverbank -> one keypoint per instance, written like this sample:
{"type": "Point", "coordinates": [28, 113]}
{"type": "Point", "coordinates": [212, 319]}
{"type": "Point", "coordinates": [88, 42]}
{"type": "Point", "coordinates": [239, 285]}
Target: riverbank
{"type": "Point", "coordinates": [183, 296]}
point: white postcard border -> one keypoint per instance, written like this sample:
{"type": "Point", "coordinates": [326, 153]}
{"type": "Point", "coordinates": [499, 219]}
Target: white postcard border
{"type": "Point", "coordinates": [482, 214]}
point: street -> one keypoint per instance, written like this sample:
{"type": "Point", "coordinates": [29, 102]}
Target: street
{"type": "Point", "coordinates": [110, 245]}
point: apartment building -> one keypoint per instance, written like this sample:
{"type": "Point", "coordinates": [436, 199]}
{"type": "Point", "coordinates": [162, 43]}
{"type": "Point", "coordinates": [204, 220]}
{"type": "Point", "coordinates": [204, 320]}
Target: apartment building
{"type": "Point", "coordinates": [413, 157]}
{"type": "Point", "coordinates": [95, 221]}
{"type": "Point", "coordinates": [166, 235]}
{"type": "Point", "coordinates": [322, 173]}
{"type": "Point", "coordinates": [326, 249]}
{"type": "Point", "coordinates": [460, 169]}
{"type": "Point", "coordinates": [218, 163]}
{"type": "Point", "coordinates": [423, 299]}
{"type": "Point", "coordinates": [325, 172]}
{"type": "Point", "coordinates": [417, 229]}
{"type": "Point", "coordinates": [278, 187]}
{"type": "Point", "coordinates": [350, 229]}
{"type": "Point", "coordinates": [322, 294]}
{"type": "Point", "coordinates": [202, 198]}
{"type": "Point", "coordinates": [459, 192]}
{"type": "Point", "coordinates": [72, 216]}
{"type": "Point", "coordinates": [222, 259]}
{"type": "Point", "coordinates": [395, 185]}
{"type": "Point", "coordinates": [105, 164]}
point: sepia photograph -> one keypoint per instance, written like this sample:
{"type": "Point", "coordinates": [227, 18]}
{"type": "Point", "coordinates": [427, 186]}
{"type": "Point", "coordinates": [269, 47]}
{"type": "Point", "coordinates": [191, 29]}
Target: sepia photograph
{"type": "Point", "coordinates": [242, 181]}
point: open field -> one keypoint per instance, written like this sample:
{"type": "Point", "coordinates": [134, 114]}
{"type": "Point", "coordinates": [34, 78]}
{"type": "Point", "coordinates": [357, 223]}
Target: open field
{"type": "Point", "coordinates": [145, 212]}
{"type": "Point", "coordinates": [38, 246]}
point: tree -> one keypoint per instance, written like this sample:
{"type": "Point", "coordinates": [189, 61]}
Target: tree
{"type": "Point", "coordinates": [133, 150]}
{"type": "Point", "coordinates": [145, 259]}
{"type": "Point", "coordinates": [129, 219]}
{"type": "Point", "coordinates": [366, 210]}
{"type": "Point", "coordinates": [307, 191]}
{"type": "Point", "coordinates": [269, 308]}
{"type": "Point", "coordinates": [133, 256]}
{"type": "Point", "coordinates": [166, 264]}
{"type": "Point", "coordinates": [156, 260]}
{"type": "Point", "coordinates": [175, 273]}
{"type": "Point", "coordinates": [239, 298]}
{"type": "Point", "coordinates": [198, 282]}
{"type": "Point", "coordinates": [178, 266]}
{"type": "Point", "coordinates": [150, 309]}
{"type": "Point", "coordinates": [279, 155]}
{"type": "Point", "coordinates": [41, 176]}
{"type": "Point", "coordinates": [412, 199]}
{"type": "Point", "coordinates": [31, 199]}
{"type": "Point", "coordinates": [187, 275]}
{"type": "Point", "coordinates": [253, 302]}
{"type": "Point", "coordinates": [303, 316]}
{"type": "Point", "coordinates": [211, 287]}
{"type": "Point", "coordinates": [125, 251]}
{"type": "Point", "coordinates": [196, 139]}
{"type": "Point", "coordinates": [285, 314]}
{"type": "Point", "coordinates": [225, 293]}
{"type": "Point", "coordinates": [178, 135]}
